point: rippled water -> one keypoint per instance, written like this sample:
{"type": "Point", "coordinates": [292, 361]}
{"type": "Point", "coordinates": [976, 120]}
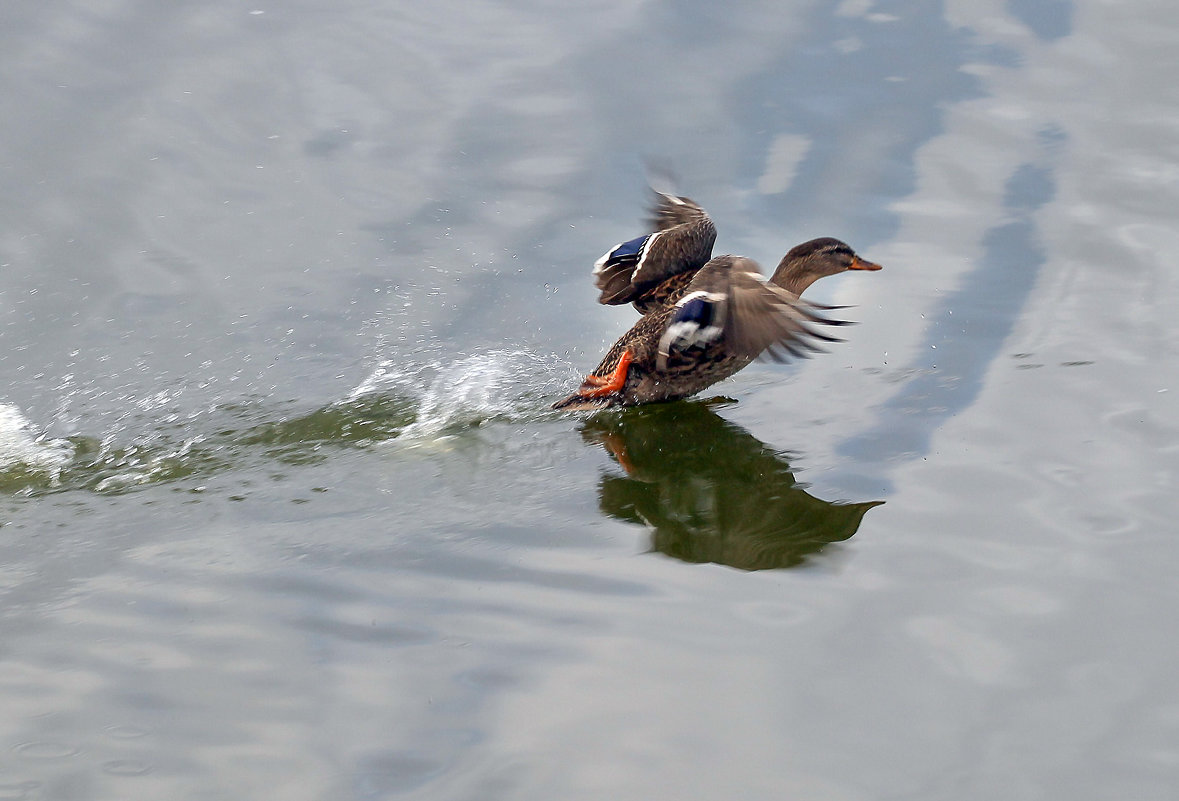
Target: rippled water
{"type": "Point", "coordinates": [285, 295]}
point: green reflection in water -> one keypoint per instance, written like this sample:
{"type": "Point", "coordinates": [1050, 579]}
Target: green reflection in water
{"type": "Point", "coordinates": [357, 422]}
{"type": "Point", "coordinates": [234, 436]}
{"type": "Point", "coordinates": [711, 491]}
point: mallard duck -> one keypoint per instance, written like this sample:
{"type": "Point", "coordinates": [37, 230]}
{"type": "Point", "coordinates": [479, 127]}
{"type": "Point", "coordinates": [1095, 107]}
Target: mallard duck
{"type": "Point", "coordinates": [703, 318]}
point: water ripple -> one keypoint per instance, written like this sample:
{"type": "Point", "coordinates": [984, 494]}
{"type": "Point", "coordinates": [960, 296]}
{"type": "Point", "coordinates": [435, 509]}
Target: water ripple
{"type": "Point", "coordinates": [407, 402]}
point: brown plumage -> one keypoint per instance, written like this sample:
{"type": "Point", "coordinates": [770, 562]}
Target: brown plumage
{"type": "Point", "coordinates": [703, 324]}
{"type": "Point", "coordinates": [680, 243]}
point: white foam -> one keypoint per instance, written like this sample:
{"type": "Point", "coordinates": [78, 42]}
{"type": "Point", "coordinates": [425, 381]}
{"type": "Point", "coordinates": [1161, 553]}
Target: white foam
{"type": "Point", "coordinates": [496, 384]}
{"type": "Point", "coordinates": [22, 446]}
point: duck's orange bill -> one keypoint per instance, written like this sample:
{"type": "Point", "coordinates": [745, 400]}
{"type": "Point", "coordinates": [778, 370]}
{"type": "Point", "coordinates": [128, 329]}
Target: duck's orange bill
{"type": "Point", "coordinates": [863, 264]}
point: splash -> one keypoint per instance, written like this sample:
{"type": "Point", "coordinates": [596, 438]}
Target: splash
{"type": "Point", "coordinates": [26, 453]}
{"type": "Point", "coordinates": [469, 391]}
{"type": "Point", "coordinates": [154, 441]}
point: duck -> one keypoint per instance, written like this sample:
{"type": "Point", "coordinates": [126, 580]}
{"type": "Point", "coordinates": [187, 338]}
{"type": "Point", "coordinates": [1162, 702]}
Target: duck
{"type": "Point", "coordinates": [703, 317]}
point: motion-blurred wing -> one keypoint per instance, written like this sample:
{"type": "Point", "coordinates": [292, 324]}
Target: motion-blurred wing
{"type": "Point", "coordinates": [681, 242]}
{"type": "Point", "coordinates": [729, 304]}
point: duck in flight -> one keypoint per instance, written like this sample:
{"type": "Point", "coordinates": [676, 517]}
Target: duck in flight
{"type": "Point", "coordinates": [703, 318]}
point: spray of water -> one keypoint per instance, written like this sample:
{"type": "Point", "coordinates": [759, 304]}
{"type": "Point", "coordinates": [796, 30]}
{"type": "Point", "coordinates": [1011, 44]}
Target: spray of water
{"type": "Point", "coordinates": [25, 450]}
{"type": "Point", "coordinates": [469, 391]}
{"type": "Point", "coordinates": [412, 403]}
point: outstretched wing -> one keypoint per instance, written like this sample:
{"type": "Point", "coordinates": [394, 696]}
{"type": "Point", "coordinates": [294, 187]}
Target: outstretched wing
{"type": "Point", "coordinates": [730, 305]}
{"type": "Point", "coordinates": [681, 242]}
{"type": "Point", "coordinates": [668, 211]}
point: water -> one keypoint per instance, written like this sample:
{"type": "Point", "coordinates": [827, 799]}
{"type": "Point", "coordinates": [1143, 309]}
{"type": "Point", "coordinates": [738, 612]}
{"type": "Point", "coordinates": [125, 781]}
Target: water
{"type": "Point", "coordinates": [285, 294]}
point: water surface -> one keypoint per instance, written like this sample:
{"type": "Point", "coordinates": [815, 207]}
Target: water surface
{"type": "Point", "coordinates": [285, 294]}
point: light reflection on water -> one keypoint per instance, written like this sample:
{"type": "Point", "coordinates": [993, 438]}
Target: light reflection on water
{"type": "Point", "coordinates": [286, 295]}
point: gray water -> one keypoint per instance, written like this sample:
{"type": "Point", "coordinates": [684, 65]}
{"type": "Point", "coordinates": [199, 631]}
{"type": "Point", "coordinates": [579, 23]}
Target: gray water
{"type": "Point", "coordinates": [286, 291]}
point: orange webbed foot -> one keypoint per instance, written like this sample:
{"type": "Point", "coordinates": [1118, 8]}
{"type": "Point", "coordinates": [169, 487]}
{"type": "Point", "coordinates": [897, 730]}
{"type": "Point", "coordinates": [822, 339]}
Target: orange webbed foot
{"type": "Point", "coordinates": [596, 386]}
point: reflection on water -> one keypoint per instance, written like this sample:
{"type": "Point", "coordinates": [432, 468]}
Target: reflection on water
{"type": "Point", "coordinates": [711, 491]}
{"type": "Point", "coordinates": [989, 302]}
{"type": "Point", "coordinates": [222, 216]}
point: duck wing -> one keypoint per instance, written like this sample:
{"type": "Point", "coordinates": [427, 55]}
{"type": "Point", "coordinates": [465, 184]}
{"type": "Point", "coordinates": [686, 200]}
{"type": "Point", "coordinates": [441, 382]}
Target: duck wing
{"type": "Point", "coordinates": [680, 242]}
{"type": "Point", "coordinates": [729, 304]}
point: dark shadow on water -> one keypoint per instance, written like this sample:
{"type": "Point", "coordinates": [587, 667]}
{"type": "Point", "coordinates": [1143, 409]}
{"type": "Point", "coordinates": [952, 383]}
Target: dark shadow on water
{"type": "Point", "coordinates": [1049, 20]}
{"type": "Point", "coordinates": [966, 334]}
{"type": "Point", "coordinates": [865, 98]}
{"type": "Point", "coordinates": [712, 492]}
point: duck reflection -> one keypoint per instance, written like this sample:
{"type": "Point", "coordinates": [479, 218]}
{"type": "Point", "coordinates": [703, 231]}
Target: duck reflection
{"type": "Point", "coordinates": [711, 491]}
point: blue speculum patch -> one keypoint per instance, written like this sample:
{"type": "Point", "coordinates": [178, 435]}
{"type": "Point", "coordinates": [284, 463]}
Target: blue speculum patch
{"type": "Point", "coordinates": [630, 248]}
{"type": "Point", "coordinates": [697, 310]}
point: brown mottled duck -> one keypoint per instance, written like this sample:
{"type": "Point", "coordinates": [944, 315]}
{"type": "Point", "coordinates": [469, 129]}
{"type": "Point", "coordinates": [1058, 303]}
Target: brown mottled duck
{"type": "Point", "coordinates": [704, 318]}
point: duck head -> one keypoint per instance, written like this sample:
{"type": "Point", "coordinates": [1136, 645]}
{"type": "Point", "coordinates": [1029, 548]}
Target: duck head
{"type": "Point", "coordinates": [810, 261]}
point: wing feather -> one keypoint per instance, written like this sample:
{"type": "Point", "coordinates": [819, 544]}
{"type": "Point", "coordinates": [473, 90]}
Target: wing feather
{"type": "Point", "coordinates": [681, 241]}
{"type": "Point", "coordinates": [757, 319]}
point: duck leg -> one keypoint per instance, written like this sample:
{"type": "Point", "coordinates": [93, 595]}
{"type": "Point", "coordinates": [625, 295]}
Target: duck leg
{"type": "Point", "coordinates": [596, 386]}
